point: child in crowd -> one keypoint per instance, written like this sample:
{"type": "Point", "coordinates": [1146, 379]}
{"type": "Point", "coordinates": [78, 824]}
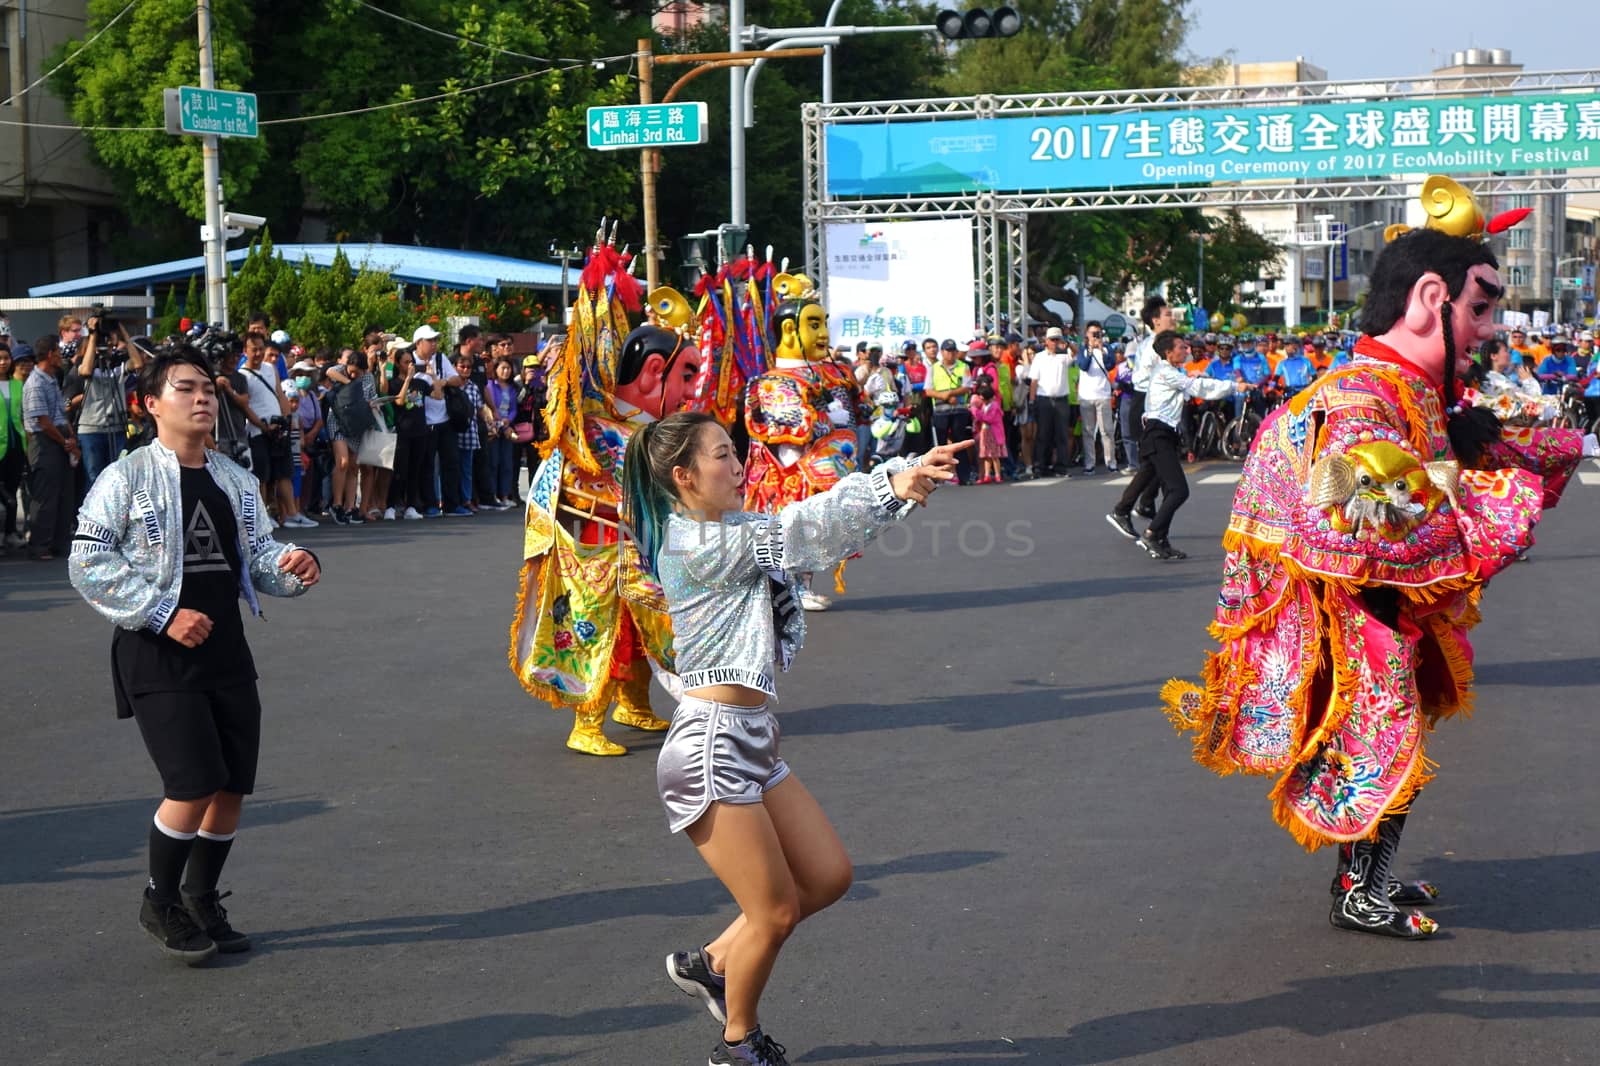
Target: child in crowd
{"type": "Point", "coordinates": [988, 426]}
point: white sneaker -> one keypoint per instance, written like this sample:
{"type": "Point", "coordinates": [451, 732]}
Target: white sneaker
{"type": "Point", "coordinates": [388, 514]}
{"type": "Point", "coordinates": [412, 515]}
{"type": "Point", "coordinates": [812, 601]}
{"type": "Point", "coordinates": [300, 521]}
{"type": "Point", "coordinates": [16, 540]}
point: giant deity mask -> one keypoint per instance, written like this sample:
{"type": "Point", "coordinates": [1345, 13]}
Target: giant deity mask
{"type": "Point", "coordinates": [799, 322]}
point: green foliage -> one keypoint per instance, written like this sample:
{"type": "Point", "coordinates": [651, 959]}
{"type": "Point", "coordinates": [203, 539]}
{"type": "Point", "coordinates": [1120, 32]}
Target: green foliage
{"type": "Point", "coordinates": [319, 308]}
{"type": "Point", "coordinates": [1234, 252]}
{"type": "Point", "coordinates": [167, 324]}
{"type": "Point", "coordinates": [194, 302]}
{"type": "Point", "coordinates": [119, 82]}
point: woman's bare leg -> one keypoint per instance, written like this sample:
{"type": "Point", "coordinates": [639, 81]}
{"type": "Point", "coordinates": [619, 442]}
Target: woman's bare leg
{"type": "Point", "coordinates": [818, 866]}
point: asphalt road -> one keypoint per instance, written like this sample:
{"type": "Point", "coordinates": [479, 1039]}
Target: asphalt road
{"type": "Point", "coordinates": [1042, 874]}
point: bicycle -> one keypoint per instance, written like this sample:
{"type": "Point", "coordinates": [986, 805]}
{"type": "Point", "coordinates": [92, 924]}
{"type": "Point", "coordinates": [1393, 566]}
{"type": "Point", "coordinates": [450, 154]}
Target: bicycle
{"type": "Point", "coordinates": [1210, 428]}
{"type": "Point", "coordinates": [1570, 410]}
{"type": "Point", "coordinates": [1241, 429]}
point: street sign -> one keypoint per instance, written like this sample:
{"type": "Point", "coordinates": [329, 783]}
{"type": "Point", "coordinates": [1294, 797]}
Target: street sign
{"type": "Point", "coordinates": [210, 112]}
{"type": "Point", "coordinates": [646, 126]}
{"type": "Point", "coordinates": [1571, 283]}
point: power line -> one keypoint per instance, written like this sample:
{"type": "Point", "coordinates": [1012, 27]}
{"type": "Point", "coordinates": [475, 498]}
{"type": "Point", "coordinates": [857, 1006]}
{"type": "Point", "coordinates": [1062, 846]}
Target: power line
{"type": "Point", "coordinates": [568, 65]}
{"type": "Point", "coordinates": [466, 40]}
{"type": "Point", "coordinates": [81, 49]}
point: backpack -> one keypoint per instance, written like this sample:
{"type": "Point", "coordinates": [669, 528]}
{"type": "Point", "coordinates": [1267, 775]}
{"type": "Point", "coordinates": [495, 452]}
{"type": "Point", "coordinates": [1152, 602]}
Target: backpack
{"type": "Point", "coordinates": [457, 408]}
{"type": "Point", "coordinates": [355, 414]}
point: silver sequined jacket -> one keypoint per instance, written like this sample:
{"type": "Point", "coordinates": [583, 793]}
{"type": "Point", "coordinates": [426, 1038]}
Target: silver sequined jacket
{"type": "Point", "coordinates": [127, 556]}
{"type": "Point", "coordinates": [731, 586]}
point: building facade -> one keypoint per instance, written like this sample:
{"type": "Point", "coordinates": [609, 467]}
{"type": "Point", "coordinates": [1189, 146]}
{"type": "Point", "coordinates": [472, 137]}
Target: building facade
{"type": "Point", "coordinates": [57, 209]}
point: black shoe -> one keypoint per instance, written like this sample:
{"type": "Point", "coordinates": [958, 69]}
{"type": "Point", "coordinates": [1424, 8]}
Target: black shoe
{"type": "Point", "coordinates": [172, 927]}
{"type": "Point", "coordinates": [339, 517]}
{"type": "Point", "coordinates": [690, 971]}
{"type": "Point", "coordinates": [206, 909]}
{"type": "Point", "coordinates": [1145, 512]}
{"type": "Point", "coordinates": [1401, 893]}
{"type": "Point", "coordinates": [1159, 549]}
{"type": "Point", "coordinates": [353, 517]}
{"type": "Point", "coordinates": [1123, 524]}
{"type": "Point", "coordinates": [756, 1049]}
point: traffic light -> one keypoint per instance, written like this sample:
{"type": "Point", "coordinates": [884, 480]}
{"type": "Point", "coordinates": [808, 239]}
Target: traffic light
{"type": "Point", "coordinates": [978, 22]}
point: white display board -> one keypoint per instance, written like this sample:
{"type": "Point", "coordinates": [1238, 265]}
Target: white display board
{"type": "Point", "coordinates": [897, 281]}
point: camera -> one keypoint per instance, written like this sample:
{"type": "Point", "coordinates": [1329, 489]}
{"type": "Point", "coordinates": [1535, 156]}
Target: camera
{"type": "Point", "coordinates": [220, 347]}
{"type": "Point", "coordinates": [105, 327]}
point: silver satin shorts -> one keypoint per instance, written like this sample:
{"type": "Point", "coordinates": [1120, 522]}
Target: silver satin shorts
{"type": "Point", "coordinates": [716, 753]}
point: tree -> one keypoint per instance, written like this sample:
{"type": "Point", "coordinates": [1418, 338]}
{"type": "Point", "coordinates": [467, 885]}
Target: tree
{"type": "Point", "coordinates": [695, 183]}
{"type": "Point", "coordinates": [1234, 253]}
{"type": "Point", "coordinates": [1086, 45]}
{"type": "Point", "coordinates": [119, 82]}
{"type": "Point", "coordinates": [498, 169]}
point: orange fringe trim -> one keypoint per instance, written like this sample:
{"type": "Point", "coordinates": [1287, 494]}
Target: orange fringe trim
{"type": "Point", "coordinates": [1421, 772]}
{"type": "Point", "coordinates": [838, 579]}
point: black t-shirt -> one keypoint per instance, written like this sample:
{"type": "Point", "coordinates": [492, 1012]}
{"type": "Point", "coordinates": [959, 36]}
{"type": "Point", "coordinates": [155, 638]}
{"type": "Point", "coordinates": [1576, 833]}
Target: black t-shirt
{"type": "Point", "coordinates": [409, 421]}
{"type": "Point", "coordinates": [154, 662]}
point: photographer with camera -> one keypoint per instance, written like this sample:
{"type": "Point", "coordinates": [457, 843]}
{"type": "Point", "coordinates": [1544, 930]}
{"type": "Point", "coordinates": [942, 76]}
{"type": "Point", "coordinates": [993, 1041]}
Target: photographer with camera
{"type": "Point", "coordinates": [104, 359]}
{"type": "Point", "coordinates": [271, 454]}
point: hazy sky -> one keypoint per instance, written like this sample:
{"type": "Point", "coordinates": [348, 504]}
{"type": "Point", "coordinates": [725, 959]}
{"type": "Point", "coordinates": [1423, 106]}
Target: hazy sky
{"type": "Point", "coordinates": [1340, 37]}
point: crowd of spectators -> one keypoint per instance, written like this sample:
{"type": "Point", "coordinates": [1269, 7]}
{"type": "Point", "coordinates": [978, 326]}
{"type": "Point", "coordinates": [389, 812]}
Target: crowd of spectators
{"type": "Point", "coordinates": [388, 429]}
{"type": "Point", "coordinates": [392, 428]}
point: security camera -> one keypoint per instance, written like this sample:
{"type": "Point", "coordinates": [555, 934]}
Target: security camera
{"type": "Point", "coordinates": [238, 219]}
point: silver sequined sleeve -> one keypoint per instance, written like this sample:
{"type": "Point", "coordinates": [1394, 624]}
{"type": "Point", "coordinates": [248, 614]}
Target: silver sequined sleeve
{"type": "Point", "coordinates": [822, 530]}
{"type": "Point", "coordinates": [110, 581]}
{"type": "Point", "coordinates": [265, 551]}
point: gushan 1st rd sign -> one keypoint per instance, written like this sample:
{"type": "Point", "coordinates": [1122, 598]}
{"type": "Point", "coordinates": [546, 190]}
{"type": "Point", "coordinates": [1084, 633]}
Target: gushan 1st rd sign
{"type": "Point", "coordinates": [210, 112]}
{"type": "Point", "coordinates": [646, 125]}
{"type": "Point", "coordinates": [1160, 147]}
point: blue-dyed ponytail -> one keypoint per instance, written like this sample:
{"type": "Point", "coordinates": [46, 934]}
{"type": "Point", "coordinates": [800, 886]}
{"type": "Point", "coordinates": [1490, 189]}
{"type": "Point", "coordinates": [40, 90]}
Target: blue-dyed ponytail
{"type": "Point", "coordinates": [647, 493]}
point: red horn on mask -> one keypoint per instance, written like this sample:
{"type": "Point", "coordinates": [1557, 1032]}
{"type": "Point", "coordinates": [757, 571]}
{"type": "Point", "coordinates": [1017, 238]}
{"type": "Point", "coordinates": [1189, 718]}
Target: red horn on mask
{"type": "Point", "coordinates": [1505, 220]}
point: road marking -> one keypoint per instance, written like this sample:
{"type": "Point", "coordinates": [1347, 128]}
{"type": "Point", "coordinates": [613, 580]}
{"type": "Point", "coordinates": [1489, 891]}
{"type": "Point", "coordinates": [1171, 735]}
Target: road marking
{"type": "Point", "coordinates": [1221, 479]}
{"type": "Point", "coordinates": [1039, 483]}
{"type": "Point", "coordinates": [1589, 477]}
{"type": "Point", "coordinates": [1119, 481]}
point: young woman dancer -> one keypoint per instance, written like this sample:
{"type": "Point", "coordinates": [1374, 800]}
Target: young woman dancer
{"type": "Point", "coordinates": [730, 583]}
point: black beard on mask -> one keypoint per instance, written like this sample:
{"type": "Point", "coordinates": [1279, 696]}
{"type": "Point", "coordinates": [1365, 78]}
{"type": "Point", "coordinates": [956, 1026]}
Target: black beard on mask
{"type": "Point", "coordinates": [1469, 428]}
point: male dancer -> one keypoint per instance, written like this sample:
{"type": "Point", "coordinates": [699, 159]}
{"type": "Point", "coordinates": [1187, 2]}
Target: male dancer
{"type": "Point", "coordinates": [1160, 458]}
{"type": "Point", "coordinates": [1364, 529]}
{"type": "Point", "coordinates": [169, 538]}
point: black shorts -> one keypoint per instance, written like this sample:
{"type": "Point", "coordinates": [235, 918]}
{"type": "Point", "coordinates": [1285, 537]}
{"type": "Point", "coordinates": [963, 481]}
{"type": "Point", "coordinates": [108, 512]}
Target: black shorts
{"type": "Point", "coordinates": [202, 742]}
{"type": "Point", "coordinates": [270, 464]}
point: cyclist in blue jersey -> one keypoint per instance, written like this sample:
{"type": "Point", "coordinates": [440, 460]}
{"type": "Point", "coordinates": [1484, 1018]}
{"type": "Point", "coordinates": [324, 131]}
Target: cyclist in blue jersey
{"type": "Point", "coordinates": [1557, 367]}
{"type": "Point", "coordinates": [1221, 367]}
{"type": "Point", "coordinates": [1296, 370]}
{"type": "Point", "coordinates": [1250, 367]}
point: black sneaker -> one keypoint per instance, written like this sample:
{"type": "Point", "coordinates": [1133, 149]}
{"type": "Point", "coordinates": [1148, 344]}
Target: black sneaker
{"type": "Point", "coordinates": [756, 1049]}
{"type": "Point", "coordinates": [1145, 512]}
{"type": "Point", "coordinates": [206, 909]}
{"type": "Point", "coordinates": [353, 517]}
{"type": "Point", "coordinates": [172, 927]}
{"type": "Point", "coordinates": [690, 972]}
{"type": "Point", "coordinates": [1159, 549]}
{"type": "Point", "coordinates": [339, 517]}
{"type": "Point", "coordinates": [1123, 524]}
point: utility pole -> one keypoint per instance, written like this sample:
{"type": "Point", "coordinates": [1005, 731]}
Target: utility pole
{"type": "Point", "coordinates": [212, 234]}
{"type": "Point", "coordinates": [1200, 274]}
{"type": "Point", "coordinates": [736, 76]}
{"type": "Point", "coordinates": [648, 160]}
